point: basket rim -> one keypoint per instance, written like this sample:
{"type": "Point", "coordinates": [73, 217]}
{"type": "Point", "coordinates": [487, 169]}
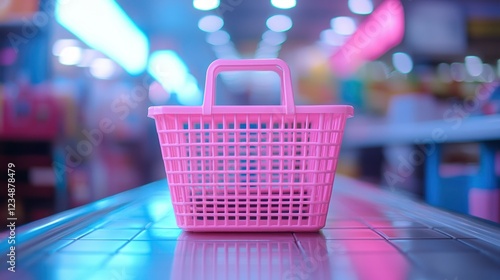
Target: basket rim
{"type": "Point", "coordinates": [247, 110]}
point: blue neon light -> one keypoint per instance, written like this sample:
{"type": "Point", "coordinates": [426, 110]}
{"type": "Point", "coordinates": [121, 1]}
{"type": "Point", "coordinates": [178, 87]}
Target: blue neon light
{"type": "Point", "coordinates": [104, 26]}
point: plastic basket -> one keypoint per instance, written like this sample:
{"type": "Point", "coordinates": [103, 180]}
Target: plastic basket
{"type": "Point", "coordinates": [250, 168]}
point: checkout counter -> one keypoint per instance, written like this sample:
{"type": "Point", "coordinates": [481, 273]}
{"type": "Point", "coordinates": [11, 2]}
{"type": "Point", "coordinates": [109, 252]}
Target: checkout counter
{"type": "Point", "coordinates": [370, 234]}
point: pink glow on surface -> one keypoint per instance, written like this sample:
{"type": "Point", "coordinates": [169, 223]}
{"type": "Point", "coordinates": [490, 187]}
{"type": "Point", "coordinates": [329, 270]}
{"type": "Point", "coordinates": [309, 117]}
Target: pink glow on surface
{"type": "Point", "coordinates": [7, 56]}
{"type": "Point", "coordinates": [381, 31]}
{"type": "Point", "coordinates": [485, 203]}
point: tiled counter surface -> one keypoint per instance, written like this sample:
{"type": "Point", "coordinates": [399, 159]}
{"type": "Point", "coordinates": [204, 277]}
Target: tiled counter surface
{"type": "Point", "coordinates": [370, 234]}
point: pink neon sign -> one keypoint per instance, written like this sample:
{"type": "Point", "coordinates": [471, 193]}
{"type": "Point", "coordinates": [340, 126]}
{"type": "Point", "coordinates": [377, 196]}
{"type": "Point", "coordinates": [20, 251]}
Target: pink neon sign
{"type": "Point", "coordinates": [381, 31]}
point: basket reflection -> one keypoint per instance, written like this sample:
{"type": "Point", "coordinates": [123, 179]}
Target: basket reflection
{"type": "Point", "coordinates": [235, 256]}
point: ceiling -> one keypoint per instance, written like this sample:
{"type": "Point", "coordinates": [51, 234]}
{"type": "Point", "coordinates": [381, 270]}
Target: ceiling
{"type": "Point", "coordinates": [245, 20]}
{"type": "Point", "coordinates": [173, 24]}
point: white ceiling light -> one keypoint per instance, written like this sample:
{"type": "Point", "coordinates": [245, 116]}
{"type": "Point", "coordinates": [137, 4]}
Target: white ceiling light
{"type": "Point", "coordinates": [488, 73]}
{"type": "Point", "coordinates": [268, 49]}
{"type": "Point", "coordinates": [457, 71]}
{"type": "Point", "coordinates": [210, 23]}
{"type": "Point", "coordinates": [343, 25]}
{"type": "Point", "coordinates": [361, 7]}
{"type": "Point", "coordinates": [70, 55]}
{"type": "Point", "coordinates": [102, 68]}
{"type": "Point", "coordinates": [332, 38]}
{"type": "Point", "coordinates": [60, 44]}
{"type": "Point", "coordinates": [279, 23]}
{"type": "Point", "coordinates": [218, 38]}
{"type": "Point", "coordinates": [227, 51]}
{"type": "Point", "coordinates": [206, 5]}
{"type": "Point", "coordinates": [284, 4]}
{"type": "Point", "coordinates": [402, 62]}
{"type": "Point", "coordinates": [474, 65]}
{"type": "Point", "coordinates": [273, 38]}
{"type": "Point", "coordinates": [444, 72]}
{"type": "Point", "coordinates": [498, 68]}
{"type": "Point", "coordinates": [168, 69]}
{"type": "Point", "coordinates": [88, 56]}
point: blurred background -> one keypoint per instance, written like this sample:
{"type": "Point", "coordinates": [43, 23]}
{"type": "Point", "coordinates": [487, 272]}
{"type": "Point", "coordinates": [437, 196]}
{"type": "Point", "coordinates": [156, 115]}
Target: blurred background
{"type": "Point", "coordinates": [77, 77]}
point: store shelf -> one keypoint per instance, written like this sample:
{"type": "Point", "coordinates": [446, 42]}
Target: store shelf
{"type": "Point", "coordinates": [367, 133]}
{"type": "Point", "coordinates": [370, 234]}
{"type": "Point", "coordinates": [40, 193]}
{"type": "Point", "coordinates": [13, 24]}
{"type": "Point", "coordinates": [35, 180]}
{"type": "Point", "coordinates": [26, 161]}
{"type": "Point", "coordinates": [451, 192]}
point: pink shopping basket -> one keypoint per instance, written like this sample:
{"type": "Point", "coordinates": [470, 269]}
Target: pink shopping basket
{"type": "Point", "coordinates": [250, 168]}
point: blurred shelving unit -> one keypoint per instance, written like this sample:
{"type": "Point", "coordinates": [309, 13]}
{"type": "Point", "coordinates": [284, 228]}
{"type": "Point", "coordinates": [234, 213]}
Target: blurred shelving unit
{"type": "Point", "coordinates": [475, 190]}
{"type": "Point", "coordinates": [368, 133]}
{"type": "Point", "coordinates": [28, 129]}
{"type": "Point", "coordinates": [29, 113]}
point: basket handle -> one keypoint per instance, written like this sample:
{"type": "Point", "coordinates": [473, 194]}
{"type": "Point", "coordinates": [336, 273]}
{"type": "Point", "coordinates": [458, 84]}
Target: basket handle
{"type": "Point", "coordinates": [274, 64]}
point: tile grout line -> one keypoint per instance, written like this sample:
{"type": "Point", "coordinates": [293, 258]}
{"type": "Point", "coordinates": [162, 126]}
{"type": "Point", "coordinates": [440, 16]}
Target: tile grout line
{"type": "Point", "coordinates": [115, 253]}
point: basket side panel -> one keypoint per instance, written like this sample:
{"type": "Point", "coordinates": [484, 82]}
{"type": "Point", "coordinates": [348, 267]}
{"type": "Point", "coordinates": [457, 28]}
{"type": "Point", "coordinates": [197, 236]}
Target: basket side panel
{"type": "Point", "coordinates": [252, 170]}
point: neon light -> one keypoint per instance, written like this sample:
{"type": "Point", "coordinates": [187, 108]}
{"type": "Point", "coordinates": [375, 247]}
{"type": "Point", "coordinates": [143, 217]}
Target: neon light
{"type": "Point", "coordinates": [168, 69]}
{"type": "Point", "coordinates": [380, 32]}
{"type": "Point", "coordinates": [189, 94]}
{"type": "Point", "coordinates": [171, 72]}
{"type": "Point", "coordinates": [104, 26]}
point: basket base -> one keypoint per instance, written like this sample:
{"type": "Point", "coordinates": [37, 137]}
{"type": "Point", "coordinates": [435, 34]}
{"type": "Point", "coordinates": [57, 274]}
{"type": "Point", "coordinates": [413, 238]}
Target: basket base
{"type": "Point", "coordinates": [252, 229]}
{"type": "Point", "coordinates": [255, 210]}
